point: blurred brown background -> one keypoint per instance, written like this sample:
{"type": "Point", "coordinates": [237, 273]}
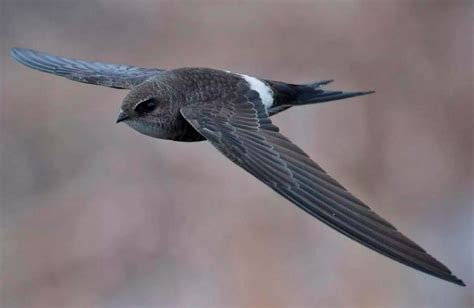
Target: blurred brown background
{"type": "Point", "coordinates": [95, 215]}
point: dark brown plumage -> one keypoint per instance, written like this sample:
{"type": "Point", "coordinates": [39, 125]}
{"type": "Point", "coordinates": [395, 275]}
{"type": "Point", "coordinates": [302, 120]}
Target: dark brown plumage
{"type": "Point", "coordinates": [232, 111]}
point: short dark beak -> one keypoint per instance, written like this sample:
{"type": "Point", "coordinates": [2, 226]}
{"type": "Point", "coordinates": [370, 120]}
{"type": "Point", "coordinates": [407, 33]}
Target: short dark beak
{"type": "Point", "coordinates": [121, 117]}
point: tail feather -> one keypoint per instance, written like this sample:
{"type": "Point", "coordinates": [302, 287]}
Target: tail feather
{"type": "Point", "coordinates": [288, 95]}
{"type": "Point", "coordinates": [311, 95]}
{"type": "Point", "coordinates": [320, 83]}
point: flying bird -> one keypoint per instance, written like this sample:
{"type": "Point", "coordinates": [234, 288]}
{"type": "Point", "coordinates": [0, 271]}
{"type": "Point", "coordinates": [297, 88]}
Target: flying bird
{"type": "Point", "coordinates": [232, 111]}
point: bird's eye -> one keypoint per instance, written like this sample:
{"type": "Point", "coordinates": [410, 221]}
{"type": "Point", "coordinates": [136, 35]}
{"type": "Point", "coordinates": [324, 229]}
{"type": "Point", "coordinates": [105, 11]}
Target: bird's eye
{"type": "Point", "coordinates": [146, 106]}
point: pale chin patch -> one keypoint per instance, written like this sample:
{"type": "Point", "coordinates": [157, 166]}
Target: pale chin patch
{"type": "Point", "coordinates": [145, 129]}
{"type": "Point", "coordinates": [265, 92]}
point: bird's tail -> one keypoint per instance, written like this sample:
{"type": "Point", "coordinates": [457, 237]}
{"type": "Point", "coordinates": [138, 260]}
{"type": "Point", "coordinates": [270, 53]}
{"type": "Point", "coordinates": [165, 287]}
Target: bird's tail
{"type": "Point", "coordinates": [313, 93]}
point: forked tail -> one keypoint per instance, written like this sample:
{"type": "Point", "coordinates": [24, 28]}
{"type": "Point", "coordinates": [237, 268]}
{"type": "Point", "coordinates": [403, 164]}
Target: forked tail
{"type": "Point", "coordinates": [313, 93]}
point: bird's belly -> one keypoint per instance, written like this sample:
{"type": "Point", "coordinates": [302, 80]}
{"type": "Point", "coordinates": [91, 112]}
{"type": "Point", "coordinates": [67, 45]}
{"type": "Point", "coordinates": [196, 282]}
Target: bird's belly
{"type": "Point", "coordinates": [186, 133]}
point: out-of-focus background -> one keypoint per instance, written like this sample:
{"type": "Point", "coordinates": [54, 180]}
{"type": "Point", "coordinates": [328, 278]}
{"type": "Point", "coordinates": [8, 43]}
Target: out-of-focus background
{"type": "Point", "coordinates": [95, 215]}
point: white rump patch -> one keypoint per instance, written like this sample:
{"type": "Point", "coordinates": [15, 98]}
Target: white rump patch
{"type": "Point", "coordinates": [265, 92]}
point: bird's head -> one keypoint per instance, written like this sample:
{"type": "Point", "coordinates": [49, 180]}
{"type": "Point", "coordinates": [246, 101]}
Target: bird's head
{"type": "Point", "coordinates": [148, 110]}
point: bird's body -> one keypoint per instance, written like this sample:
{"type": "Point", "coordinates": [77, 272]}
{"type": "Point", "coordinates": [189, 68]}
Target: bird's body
{"type": "Point", "coordinates": [177, 88]}
{"type": "Point", "coordinates": [232, 111]}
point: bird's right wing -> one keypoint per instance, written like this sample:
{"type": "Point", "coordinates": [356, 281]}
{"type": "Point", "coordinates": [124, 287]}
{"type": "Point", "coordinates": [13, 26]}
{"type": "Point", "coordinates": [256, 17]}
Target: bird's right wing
{"type": "Point", "coordinates": [97, 73]}
{"type": "Point", "coordinates": [239, 127]}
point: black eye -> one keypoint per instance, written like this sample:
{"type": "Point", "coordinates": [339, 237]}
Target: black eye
{"type": "Point", "coordinates": [146, 106]}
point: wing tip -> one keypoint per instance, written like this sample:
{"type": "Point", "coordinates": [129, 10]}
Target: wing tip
{"type": "Point", "coordinates": [24, 56]}
{"type": "Point", "coordinates": [36, 60]}
{"type": "Point", "coordinates": [457, 281]}
{"type": "Point", "coordinates": [15, 52]}
{"type": "Point", "coordinates": [18, 55]}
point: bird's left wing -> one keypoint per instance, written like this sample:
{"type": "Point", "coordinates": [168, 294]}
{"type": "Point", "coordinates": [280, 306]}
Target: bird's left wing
{"type": "Point", "coordinates": [239, 127]}
{"type": "Point", "coordinates": [97, 73]}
